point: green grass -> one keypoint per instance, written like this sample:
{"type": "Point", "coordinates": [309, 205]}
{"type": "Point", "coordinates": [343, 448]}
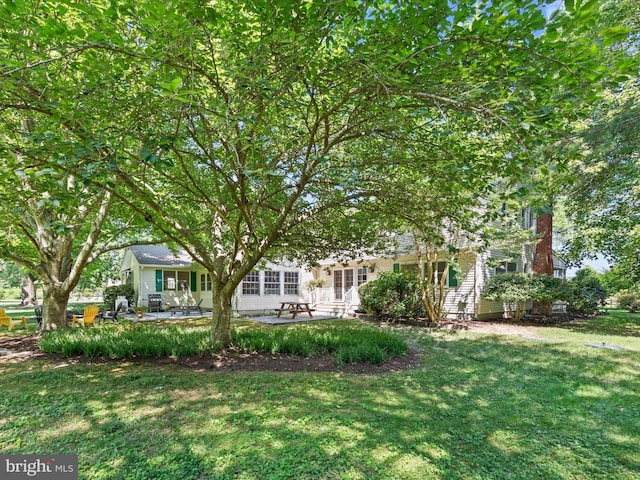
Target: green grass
{"type": "Point", "coordinates": [349, 344]}
{"type": "Point", "coordinates": [479, 407]}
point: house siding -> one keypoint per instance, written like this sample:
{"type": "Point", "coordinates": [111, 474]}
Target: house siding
{"type": "Point", "coordinates": [264, 303]}
{"type": "Point", "coordinates": [462, 300]}
{"type": "Point", "coordinates": [459, 299]}
{"type": "Point", "coordinates": [487, 309]}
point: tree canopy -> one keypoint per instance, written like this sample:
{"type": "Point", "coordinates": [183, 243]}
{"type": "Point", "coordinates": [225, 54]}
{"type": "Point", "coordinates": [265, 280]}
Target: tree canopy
{"type": "Point", "coordinates": [245, 130]}
{"type": "Point", "coordinates": [602, 187]}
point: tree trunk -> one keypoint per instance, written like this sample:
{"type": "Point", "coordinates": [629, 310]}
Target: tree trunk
{"type": "Point", "coordinates": [221, 329]}
{"type": "Point", "coordinates": [54, 308]}
{"type": "Point", "coordinates": [543, 258]}
{"type": "Point", "coordinates": [29, 297]}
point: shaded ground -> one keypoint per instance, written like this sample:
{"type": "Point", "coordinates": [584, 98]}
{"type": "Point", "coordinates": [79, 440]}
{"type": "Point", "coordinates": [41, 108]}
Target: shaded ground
{"type": "Point", "coordinates": [13, 349]}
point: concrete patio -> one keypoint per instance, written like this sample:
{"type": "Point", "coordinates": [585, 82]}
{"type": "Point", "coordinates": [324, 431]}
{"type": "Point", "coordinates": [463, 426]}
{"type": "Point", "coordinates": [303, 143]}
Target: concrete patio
{"type": "Point", "coordinates": [266, 319]}
{"type": "Point", "coordinates": [285, 319]}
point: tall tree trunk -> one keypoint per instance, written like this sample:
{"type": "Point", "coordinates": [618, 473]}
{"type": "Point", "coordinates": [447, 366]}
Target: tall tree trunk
{"type": "Point", "coordinates": [222, 308]}
{"type": "Point", "coordinates": [29, 297]}
{"type": "Point", "coordinates": [543, 258]}
{"type": "Point", "coordinates": [54, 307]}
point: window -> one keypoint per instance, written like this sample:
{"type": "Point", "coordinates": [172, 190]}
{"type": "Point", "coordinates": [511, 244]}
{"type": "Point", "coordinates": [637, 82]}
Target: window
{"type": "Point", "coordinates": [271, 283]}
{"type": "Point", "coordinates": [409, 268]}
{"type": "Point", "coordinates": [251, 284]}
{"type": "Point", "coordinates": [183, 281]}
{"type": "Point", "coordinates": [348, 279]}
{"type": "Point", "coordinates": [205, 282]}
{"type": "Point", "coordinates": [506, 267]}
{"type": "Point", "coordinates": [169, 280]}
{"type": "Point", "coordinates": [176, 280]}
{"type": "Point", "coordinates": [291, 283]}
{"type": "Point", "coordinates": [362, 276]}
{"type": "Point", "coordinates": [439, 273]}
{"type": "Point", "coordinates": [527, 217]}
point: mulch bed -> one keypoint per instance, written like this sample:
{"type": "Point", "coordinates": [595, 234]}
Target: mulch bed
{"type": "Point", "coordinates": [26, 348]}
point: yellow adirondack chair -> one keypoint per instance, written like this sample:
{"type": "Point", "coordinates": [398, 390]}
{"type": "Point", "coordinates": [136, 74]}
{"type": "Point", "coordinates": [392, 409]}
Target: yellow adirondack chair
{"type": "Point", "coordinates": [9, 322]}
{"type": "Point", "coordinates": [88, 317]}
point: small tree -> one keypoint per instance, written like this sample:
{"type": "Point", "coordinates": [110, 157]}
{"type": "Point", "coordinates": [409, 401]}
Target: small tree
{"type": "Point", "coordinates": [515, 289]}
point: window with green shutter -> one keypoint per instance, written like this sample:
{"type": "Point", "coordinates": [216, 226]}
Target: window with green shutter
{"type": "Point", "coordinates": [453, 279]}
{"type": "Point", "coordinates": [194, 280]}
{"type": "Point", "coordinates": [158, 280]}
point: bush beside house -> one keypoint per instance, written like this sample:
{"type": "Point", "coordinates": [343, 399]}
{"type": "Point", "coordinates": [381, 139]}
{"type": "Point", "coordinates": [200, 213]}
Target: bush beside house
{"type": "Point", "coordinates": [517, 289]}
{"type": "Point", "coordinates": [392, 294]}
{"type": "Point", "coordinates": [112, 293]}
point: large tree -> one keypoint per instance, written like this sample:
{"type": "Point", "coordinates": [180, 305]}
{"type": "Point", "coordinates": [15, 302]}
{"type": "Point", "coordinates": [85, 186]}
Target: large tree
{"type": "Point", "coordinates": [264, 130]}
{"type": "Point", "coordinates": [60, 117]}
{"type": "Point", "coordinates": [602, 202]}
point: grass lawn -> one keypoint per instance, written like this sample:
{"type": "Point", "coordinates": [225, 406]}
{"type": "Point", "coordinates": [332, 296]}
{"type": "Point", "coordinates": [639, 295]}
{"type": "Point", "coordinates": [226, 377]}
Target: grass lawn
{"type": "Point", "coordinates": [480, 407]}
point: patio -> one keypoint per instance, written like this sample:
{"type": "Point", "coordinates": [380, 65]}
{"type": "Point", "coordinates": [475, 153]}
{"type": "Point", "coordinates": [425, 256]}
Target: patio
{"type": "Point", "coordinates": [266, 319]}
{"type": "Point", "coordinates": [275, 320]}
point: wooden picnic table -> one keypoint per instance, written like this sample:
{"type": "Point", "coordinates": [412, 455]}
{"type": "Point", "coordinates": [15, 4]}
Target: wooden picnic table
{"type": "Point", "coordinates": [294, 308]}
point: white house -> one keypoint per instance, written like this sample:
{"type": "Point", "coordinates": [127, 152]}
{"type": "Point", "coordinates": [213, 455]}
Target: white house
{"type": "Point", "coordinates": [156, 270]}
{"type": "Point", "coordinates": [463, 285]}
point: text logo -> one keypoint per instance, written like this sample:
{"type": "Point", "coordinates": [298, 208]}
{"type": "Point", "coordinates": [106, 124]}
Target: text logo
{"type": "Point", "coordinates": [44, 467]}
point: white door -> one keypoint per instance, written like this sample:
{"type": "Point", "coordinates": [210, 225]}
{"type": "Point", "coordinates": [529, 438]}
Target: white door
{"type": "Point", "coordinates": [348, 280]}
{"type": "Point", "coordinates": [337, 285]}
{"type": "Point", "coordinates": [342, 282]}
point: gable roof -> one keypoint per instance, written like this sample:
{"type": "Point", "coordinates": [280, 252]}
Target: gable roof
{"type": "Point", "coordinates": [160, 256]}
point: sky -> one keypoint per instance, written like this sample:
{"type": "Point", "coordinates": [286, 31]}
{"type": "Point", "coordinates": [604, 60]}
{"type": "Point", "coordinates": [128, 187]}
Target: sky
{"type": "Point", "coordinates": [599, 265]}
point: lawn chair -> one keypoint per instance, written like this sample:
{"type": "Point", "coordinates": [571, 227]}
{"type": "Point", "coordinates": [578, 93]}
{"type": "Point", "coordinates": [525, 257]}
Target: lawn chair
{"type": "Point", "coordinates": [112, 314]}
{"type": "Point", "coordinates": [88, 317]}
{"type": "Point", "coordinates": [10, 322]}
{"type": "Point", "coordinates": [192, 308]}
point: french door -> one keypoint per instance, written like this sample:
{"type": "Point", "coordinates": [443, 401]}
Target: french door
{"type": "Point", "coordinates": [342, 282]}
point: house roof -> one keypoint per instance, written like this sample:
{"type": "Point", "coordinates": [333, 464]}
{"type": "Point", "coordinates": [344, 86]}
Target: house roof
{"type": "Point", "coordinates": [558, 263]}
{"type": "Point", "coordinates": [160, 255]}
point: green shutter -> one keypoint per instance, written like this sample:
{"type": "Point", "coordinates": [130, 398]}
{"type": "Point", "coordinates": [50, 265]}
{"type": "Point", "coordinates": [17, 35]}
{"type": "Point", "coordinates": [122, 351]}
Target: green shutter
{"type": "Point", "coordinates": [396, 267]}
{"type": "Point", "coordinates": [194, 280]}
{"type": "Point", "coordinates": [158, 280]}
{"type": "Point", "coordinates": [453, 279]}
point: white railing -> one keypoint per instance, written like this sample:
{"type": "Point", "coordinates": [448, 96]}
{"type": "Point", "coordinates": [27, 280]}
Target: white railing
{"type": "Point", "coordinates": [321, 295]}
{"type": "Point", "coordinates": [351, 298]}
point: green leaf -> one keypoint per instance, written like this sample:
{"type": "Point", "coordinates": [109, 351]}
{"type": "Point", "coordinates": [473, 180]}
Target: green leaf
{"type": "Point", "coordinates": [172, 86]}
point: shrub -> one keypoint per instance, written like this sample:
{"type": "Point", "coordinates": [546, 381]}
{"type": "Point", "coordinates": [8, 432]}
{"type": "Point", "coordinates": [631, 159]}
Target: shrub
{"type": "Point", "coordinates": [516, 289]}
{"type": "Point", "coordinates": [10, 293]}
{"type": "Point", "coordinates": [112, 293]}
{"type": "Point", "coordinates": [628, 299]}
{"type": "Point", "coordinates": [513, 288]}
{"type": "Point", "coordinates": [392, 294]}
{"type": "Point", "coordinates": [587, 292]}
{"type": "Point", "coordinates": [128, 340]}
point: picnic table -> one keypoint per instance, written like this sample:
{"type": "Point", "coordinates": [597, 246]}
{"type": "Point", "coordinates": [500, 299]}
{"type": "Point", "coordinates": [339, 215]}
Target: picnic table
{"type": "Point", "coordinates": [294, 308]}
